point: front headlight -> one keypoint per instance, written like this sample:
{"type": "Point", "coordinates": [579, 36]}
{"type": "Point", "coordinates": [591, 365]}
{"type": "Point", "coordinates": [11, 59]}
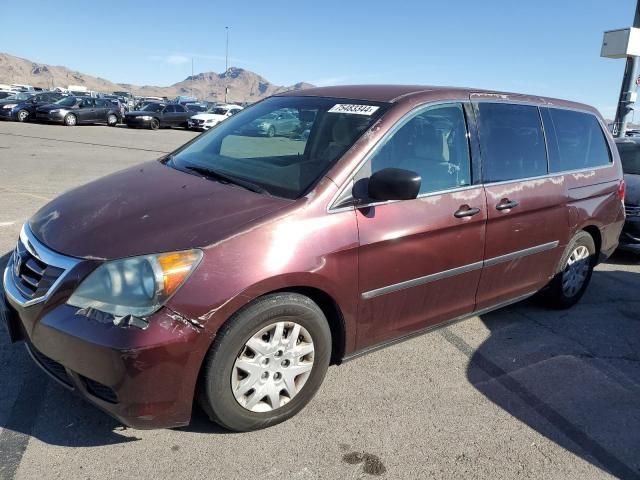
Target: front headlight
{"type": "Point", "coordinates": [9, 106]}
{"type": "Point", "coordinates": [136, 286]}
{"type": "Point", "coordinates": [55, 111]}
{"type": "Point", "coordinates": [145, 117]}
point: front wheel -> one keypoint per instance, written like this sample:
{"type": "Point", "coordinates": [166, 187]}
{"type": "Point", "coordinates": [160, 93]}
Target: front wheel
{"type": "Point", "coordinates": [271, 132]}
{"type": "Point", "coordinates": [112, 120]}
{"type": "Point", "coordinates": [23, 116]}
{"type": "Point", "coordinates": [573, 275]}
{"type": "Point", "coordinates": [155, 124]}
{"type": "Point", "coordinates": [70, 120]}
{"type": "Point", "coordinates": [266, 363]}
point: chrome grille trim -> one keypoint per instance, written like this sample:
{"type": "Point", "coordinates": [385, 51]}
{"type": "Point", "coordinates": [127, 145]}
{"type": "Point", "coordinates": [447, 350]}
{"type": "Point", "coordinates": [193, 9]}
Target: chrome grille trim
{"type": "Point", "coordinates": [41, 254]}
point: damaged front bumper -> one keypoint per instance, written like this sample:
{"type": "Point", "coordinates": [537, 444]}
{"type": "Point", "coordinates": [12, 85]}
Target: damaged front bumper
{"type": "Point", "coordinates": [143, 377]}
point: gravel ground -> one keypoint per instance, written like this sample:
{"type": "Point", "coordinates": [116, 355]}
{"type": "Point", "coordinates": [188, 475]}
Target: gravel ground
{"type": "Point", "coordinates": [519, 393]}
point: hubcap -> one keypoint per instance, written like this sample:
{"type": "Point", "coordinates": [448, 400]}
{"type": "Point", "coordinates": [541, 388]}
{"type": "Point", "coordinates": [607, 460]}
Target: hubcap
{"type": "Point", "coordinates": [272, 367]}
{"type": "Point", "coordinates": [576, 271]}
{"type": "Point", "coordinates": [23, 116]}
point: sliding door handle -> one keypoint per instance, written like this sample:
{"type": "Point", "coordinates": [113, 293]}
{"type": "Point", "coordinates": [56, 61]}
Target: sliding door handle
{"type": "Point", "coordinates": [506, 204]}
{"type": "Point", "coordinates": [466, 211]}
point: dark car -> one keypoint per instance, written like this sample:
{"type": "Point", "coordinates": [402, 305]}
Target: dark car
{"type": "Point", "coordinates": [22, 107]}
{"type": "Point", "coordinates": [73, 110]}
{"type": "Point", "coordinates": [156, 115]}
{"type": "Point", "coordinates": [240, 266]}
{"type": "Point", "coordinates": [629, 149]}
{"type": "Point", "coordinates": [4, 94]}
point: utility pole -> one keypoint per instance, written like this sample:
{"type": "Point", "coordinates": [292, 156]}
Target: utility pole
{"type": "Point", "coordinates": [628, 91]}
{"type": "Point", "coordinates": [226, 67]}
{"type": "Point", "coordinates": [192, 76]}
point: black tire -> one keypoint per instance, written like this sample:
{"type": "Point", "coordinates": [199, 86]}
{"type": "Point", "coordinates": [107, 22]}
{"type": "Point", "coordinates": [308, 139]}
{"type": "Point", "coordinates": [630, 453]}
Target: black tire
{"type": "Point", "coordinates": [22, 116]}
{"type": "Point", "coordinates": [215, 393]}
{"type": "Point", "coordinates": [70, 120]}
{"type": "Point", "coordinates": [555, 295]}
{"type": "Point", "coordinates": [112, 120]}
{"type": "Point", "coordinates": [271, 132]}
{"type": "Point", "coordinates": [155, 124]}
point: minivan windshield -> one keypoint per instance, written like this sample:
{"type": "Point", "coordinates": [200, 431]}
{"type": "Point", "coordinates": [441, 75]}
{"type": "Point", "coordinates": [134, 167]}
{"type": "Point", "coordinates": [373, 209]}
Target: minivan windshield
{"type": "Point", "coordinates": [630, 156]}
{"type": "Point", "coordinates": [283, 158]}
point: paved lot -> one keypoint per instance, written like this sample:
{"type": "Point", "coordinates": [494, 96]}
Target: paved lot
{"type": "Point", "coordinates": [520, 393]}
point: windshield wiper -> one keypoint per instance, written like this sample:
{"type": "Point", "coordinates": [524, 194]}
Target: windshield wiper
{"type": "Point", "coordinates": [214, 174]}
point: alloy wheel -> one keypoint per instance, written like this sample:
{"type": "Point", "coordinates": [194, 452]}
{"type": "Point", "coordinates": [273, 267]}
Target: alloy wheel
{"type": "Point", "coordinates": [272, 367]}
{"type": "Point", "coordinates": [576, 272]}
{"type": "Point", "coordinates": [23, 115]}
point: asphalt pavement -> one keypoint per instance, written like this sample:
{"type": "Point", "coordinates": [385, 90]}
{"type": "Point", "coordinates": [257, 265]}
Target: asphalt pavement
{"type": "Point", "coordinates": [523, 392]}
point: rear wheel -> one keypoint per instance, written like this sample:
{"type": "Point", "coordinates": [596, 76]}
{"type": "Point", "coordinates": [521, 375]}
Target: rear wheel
{"type": "Point", "coordinates": [23, 116]}
{"type": "Point", "coordinates": [266, 363]}
{"type": "Point", "coordinates": [155, 124]}
{"type": "Point", "coordinates": [70, 120]}
{"type": "Point", "coordinates": [112, 120]}
{"type": "Point", "coordinates": [574, 273]}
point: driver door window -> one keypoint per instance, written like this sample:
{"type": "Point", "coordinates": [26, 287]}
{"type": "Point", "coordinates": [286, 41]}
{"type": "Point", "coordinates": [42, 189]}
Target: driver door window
{"type": "Point", "coordinates": [432, 143]}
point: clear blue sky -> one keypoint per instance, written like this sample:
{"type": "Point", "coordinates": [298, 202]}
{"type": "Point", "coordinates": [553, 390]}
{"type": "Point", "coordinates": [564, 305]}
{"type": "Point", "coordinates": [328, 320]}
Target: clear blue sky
{"type": "Point", "coordinates": [546, 47]}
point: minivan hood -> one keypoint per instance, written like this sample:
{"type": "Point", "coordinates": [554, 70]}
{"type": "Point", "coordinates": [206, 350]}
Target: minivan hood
{"type": "Point", "coordinates": [148, 208]}
{"type": "Point", "coordinates": [632, 193]}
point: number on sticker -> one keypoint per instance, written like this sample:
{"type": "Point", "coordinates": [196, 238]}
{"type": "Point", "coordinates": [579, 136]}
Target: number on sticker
{"type": "Point", "coordinates": [353, 109]}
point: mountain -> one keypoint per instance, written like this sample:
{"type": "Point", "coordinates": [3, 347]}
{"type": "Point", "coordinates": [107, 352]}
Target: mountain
{"type": "Point", "coordinates": [244, 85]}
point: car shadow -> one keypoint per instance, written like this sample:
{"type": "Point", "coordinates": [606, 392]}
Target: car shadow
{"type": "Point", "coordinates": [571, 375]}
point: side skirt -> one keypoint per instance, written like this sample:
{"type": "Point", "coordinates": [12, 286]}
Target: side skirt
{"type": "Point", "coordinates": [446, 323]}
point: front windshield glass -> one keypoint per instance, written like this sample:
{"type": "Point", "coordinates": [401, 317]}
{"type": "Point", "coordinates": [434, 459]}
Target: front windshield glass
{"type": "Point", "coordinates": [282, 144]}
{"type": "Point", "coordinates": [67, 101]}
{"type": "Point", "coordinates": [630, 156]}
{"type": "Point", "coordinates": [152, 107]}
{"type": "Point", "coordinates": [219, 111]}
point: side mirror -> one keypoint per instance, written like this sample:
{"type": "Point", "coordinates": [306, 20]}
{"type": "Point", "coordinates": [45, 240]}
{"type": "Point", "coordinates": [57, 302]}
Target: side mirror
{"type": "Point", "coordinates": [394, 184]}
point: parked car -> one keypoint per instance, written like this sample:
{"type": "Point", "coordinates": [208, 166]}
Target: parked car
{"type": "Point", "coordinates": [22, 107]}
{"type": "Point", "coordinates": [156, 115]}
{"type": "Point", "coordinates": [74, 110]}
{"type": "Point", "coordinates": [6, 93]}
{"type": "Point", "coordinates": [213, 116]}
{"type": "Point", "coordinates": [629, 149]}
{"type": "Point", "coordinates": [240, 268]}
{"type": "Point", "coordinates": [276, 123]}
{"type": "Point", "coordinates": [195, 108]}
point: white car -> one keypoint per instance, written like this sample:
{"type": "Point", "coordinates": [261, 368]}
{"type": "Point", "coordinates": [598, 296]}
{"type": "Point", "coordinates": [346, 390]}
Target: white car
{"type": "Point", "coordinates": [212, 117]}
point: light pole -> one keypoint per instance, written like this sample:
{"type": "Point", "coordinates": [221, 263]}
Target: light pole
{"type": "Point", "coordinates": [628, 94]}
{"type": "Point", "coordinates": [226, 67]}
{"type": "Point", "coordinates": [192, 79]}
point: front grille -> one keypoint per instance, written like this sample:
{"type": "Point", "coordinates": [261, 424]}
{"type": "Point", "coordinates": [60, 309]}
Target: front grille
{"type": "Point", "coordinates": [54, 368]}
{"type": "Point", "coordinates": [31, 276]}
{"type": "Point", "coordinates": [197, 121]}
{"type": "Point", "coordinates": [99, 390]}
{"type": "Point", "coordinates": [632, 211]}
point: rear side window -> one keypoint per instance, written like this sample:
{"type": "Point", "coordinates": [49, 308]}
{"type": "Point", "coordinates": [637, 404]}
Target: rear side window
{"type": "Point", "coordinates": [180, 108]}
{"type": "Point", "coordinates": [170, 109]}
{"type": "Point", "coordinates": [576, 140]}
{"type": "Point", "coordinates": [511, 141]}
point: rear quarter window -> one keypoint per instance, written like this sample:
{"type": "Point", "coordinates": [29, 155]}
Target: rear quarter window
{"type": "Point", "coordinates": [575, 140]}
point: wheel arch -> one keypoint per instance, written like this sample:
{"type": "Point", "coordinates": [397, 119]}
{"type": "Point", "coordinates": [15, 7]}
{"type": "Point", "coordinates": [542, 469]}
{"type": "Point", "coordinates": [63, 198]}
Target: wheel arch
{"type": "Point", "coordinates": [331, 311]}
{"type": "Point", "coordinates": [596, 235]}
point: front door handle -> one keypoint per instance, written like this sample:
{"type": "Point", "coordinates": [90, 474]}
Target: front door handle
{"type": "Point", "coordinates": [466, 211]}
{"type": "Point", "coordinates": [506, 204]}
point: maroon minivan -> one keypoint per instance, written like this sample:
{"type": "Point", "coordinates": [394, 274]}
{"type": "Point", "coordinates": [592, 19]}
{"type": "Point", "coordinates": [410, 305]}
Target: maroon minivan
{"type": "Point", "coordinates": [237, 268]}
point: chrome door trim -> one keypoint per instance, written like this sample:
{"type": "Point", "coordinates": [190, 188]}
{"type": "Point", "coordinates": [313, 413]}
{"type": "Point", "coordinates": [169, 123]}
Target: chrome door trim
{"type": "Point", "coordinates": [422, 280]}
{"type": "Point", "coordinates": [414, 282]}
{"type": "Point", "coordinates": [521, 253]}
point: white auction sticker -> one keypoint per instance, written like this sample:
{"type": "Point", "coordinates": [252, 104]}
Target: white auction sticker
{"type": "Point", "coordinates": [353, 109]}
